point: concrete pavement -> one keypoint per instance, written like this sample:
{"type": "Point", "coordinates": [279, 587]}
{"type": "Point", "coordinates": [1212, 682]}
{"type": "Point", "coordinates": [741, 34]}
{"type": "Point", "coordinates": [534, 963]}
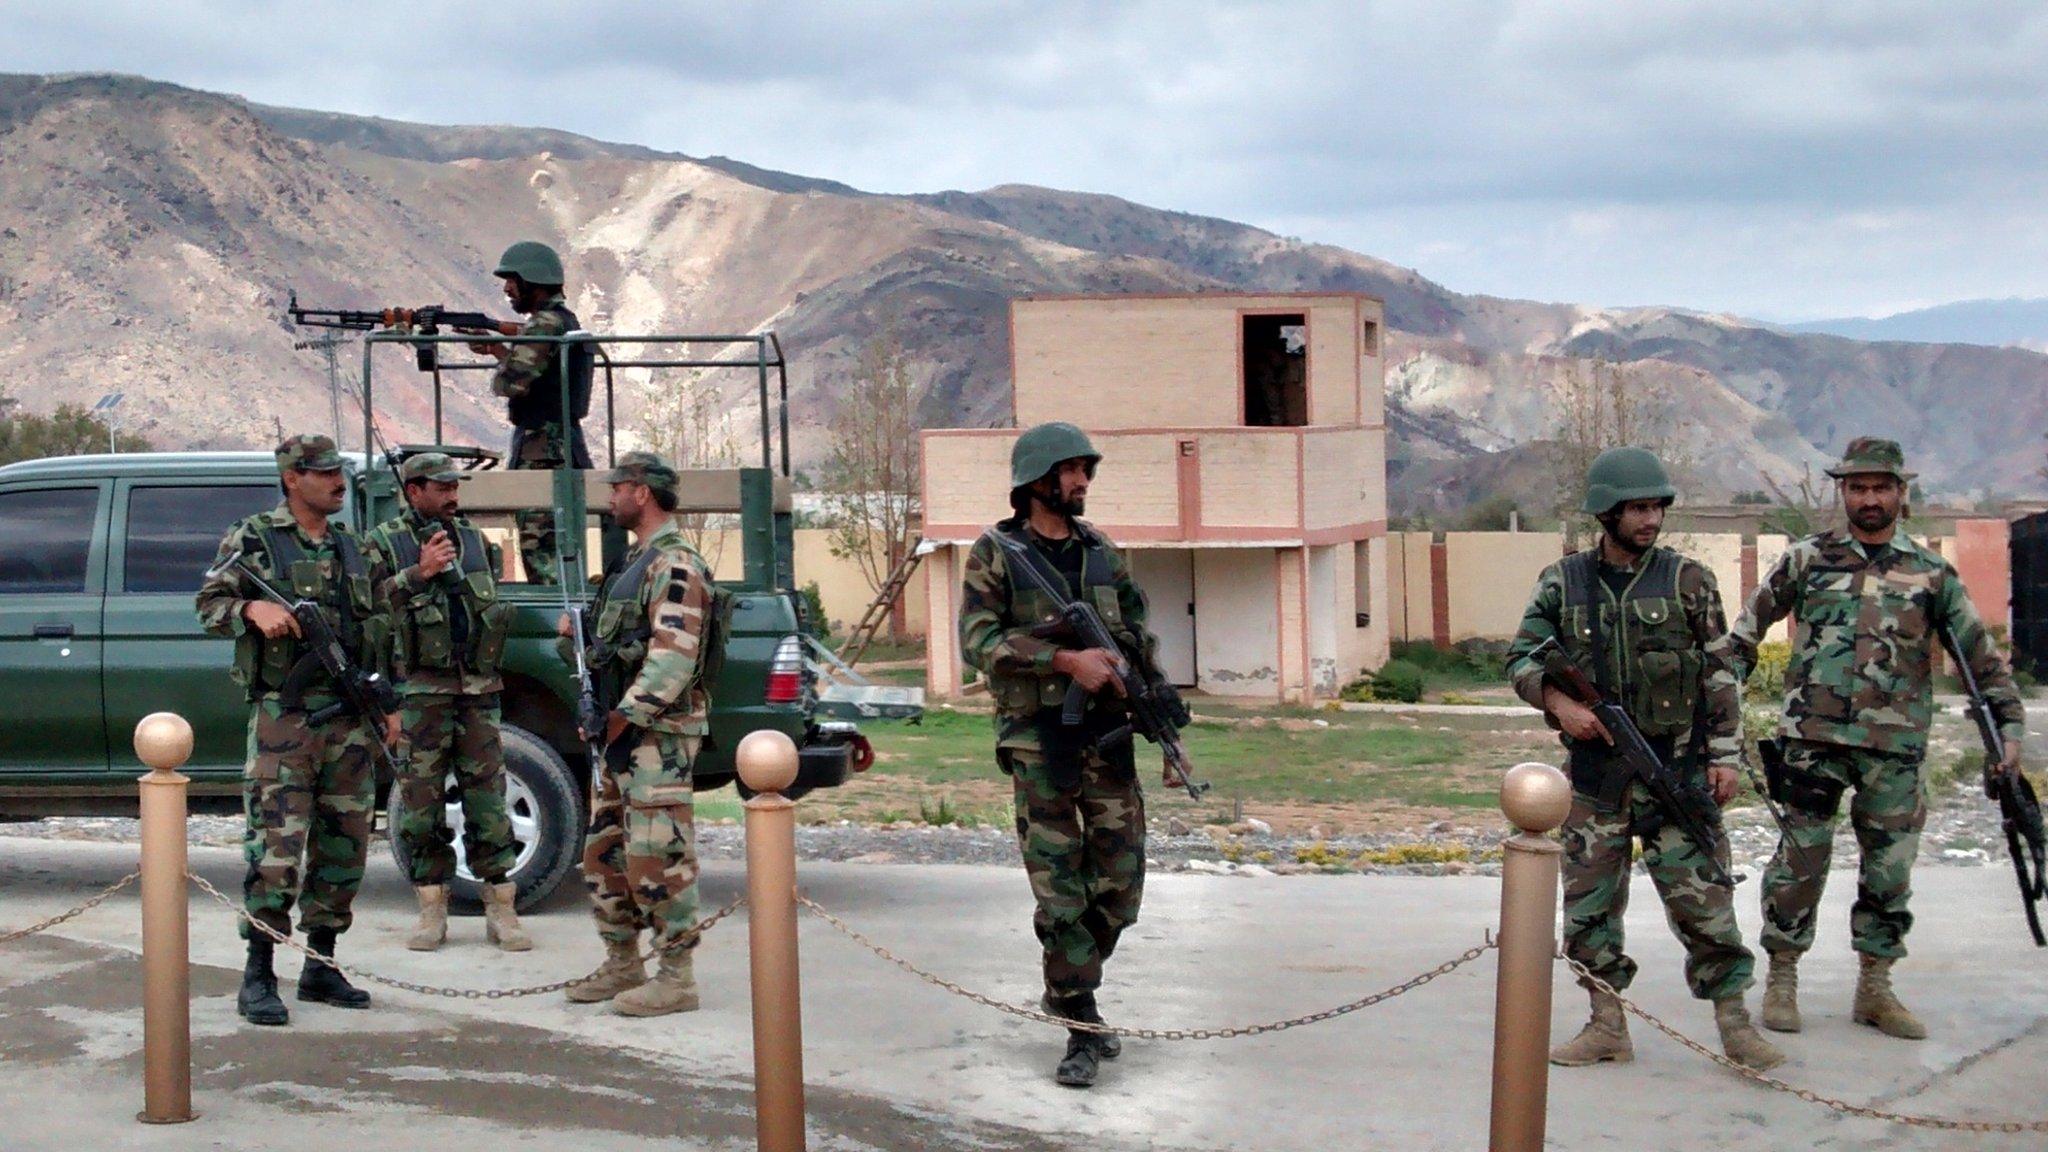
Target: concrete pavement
{"type": "Point", "coordinates": [895, 1064]}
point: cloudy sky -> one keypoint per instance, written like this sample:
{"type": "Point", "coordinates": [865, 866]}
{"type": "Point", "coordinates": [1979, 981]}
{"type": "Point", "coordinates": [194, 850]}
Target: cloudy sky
{"type": "Point", "coordinates": [1786, 160]}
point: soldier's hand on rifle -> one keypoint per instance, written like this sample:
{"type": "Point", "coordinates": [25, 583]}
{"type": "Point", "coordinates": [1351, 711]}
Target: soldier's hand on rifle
{"type": "Point", "coordinates": [493, 350]}
{"type": "Point", "coordinates": [1091, 668]}
{"type": "Point", "coordinates": [2011, 764]}
{"type": "Point", "coordinates": [1575, 718]}
{"type": "Point", "coordinates": [562, 626]}
{"type": "Point", "coordinates": [391, 730]}
{"type": "Point", "coordinates": [1721, 783]}
{"type": "Point", "coordinates": [273, 620]}
{"type": "Point", "coordinates": [436, 555]}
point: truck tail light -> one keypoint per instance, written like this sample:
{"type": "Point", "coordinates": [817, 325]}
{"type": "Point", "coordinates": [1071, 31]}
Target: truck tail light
{"type": "Point", "coordinates": [786, 672]}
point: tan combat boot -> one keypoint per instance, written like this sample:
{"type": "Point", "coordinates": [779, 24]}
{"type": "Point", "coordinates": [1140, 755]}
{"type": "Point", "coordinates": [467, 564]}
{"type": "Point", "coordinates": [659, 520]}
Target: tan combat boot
{"type": "Point", "coordinates": [1781, 993]}
{"type": "Point", "coordinates": [432, 929]}
{"type": "Point", "coordinates": [1740, 1039]}
{"type": "Point", "coordinates": [501, 920]}
{"type": "Point", "coordinates": [622, 969]}
{"type": "Point", "coordinates": [1877, 1006]}
{"type": "Point", "coordinates": [1603, 1039]}
{"type": "Point", "coordinates": [673, 989]}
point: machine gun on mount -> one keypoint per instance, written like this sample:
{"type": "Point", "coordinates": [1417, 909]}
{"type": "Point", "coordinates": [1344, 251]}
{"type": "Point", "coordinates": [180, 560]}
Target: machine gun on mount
{"type": "Point", "coordinates": [2019, 809]}
{"type": "Point", "coordinates": [427, 320]}
{"type": "Point", "coordinates": [1683, 804]}
{"type": "Point", "coordinates": [1156, 710]}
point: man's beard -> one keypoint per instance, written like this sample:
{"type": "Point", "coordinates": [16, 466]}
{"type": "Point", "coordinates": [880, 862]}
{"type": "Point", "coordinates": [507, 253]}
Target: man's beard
{"type": "Point", "coordinates": [1874, 519]}
{"type": "Point", "coordinates": [1060, 505]}
{"type": "Point", "coordinates": [1625, 544]}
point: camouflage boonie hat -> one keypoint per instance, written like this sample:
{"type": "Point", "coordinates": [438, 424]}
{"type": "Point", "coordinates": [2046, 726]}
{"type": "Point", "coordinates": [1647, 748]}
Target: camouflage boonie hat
{"type": "Point", "coordinates": [429, 466]}
{"type": "Point", "coordinates": [303, 453]}
{"type": "Point", "coordinates": [1868, 454]}
{"type": "Point", "coordinates": [643, 468]}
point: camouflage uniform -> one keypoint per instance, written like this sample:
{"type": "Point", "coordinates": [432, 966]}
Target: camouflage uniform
{"type": "Point", "coordinates": [640, 858]}
{"type": "Point", "coordinates": [445, 658]}
{"type": "Point", "coordinates": [543, 436]}
{"type": "Point", "coordinates": [309, 790]}
{"type": "Point", "coordinates": [1080, 814]}
{"type": "Point", "coordinates": [1654, 636]}
{"type": "Point", "coordinates": [1858, 701]}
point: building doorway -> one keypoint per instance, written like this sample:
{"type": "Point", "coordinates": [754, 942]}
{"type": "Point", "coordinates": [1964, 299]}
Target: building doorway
{"type": "Point", "coordinates": [1275, 356]}
{"type": "Point", "coordinates": [1167, 577]}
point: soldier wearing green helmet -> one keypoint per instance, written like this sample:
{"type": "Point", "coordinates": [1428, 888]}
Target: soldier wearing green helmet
{"type": "Point", "coordinates": [1080, 813]}
{"type": "Point", "coordinates": [1637, 619]}
{"type": "Point", "coordinates": [1869, 605]}
{"type": "Point", "coordinates": [545, 435]}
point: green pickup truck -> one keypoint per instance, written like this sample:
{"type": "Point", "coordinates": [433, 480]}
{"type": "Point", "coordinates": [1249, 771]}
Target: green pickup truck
{"type": "Point", "coordinates": [100, 557]}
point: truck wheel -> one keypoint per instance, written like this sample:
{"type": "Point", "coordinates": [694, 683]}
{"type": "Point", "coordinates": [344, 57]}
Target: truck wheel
{"type": "Point", "coordinates": [546, 807]}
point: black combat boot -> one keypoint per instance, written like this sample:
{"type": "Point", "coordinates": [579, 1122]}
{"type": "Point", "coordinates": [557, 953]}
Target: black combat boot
{"type": "Point", "coordinates": [258, 1002]}
{"type": "Point", "coordinates": [323, 983]}
{"type": "Point", "coordinates": [1081, 1006]}
{"type": "Point", "coordinates": [1078, 1067]}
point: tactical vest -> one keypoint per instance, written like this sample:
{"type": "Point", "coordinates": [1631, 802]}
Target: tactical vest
{"type": "Point", "coordinates": [542, 403]}
{"type": "Point", "coordinates": [459, 623]}
{"type": "Point", "coordinates": [622, 627]}
{"type": "Point", "coordinates": [1640, 649]}
{"type": "Point", "coordinates": [1030, 608]}
{"type": "Point", "coordinates": [262, 664]}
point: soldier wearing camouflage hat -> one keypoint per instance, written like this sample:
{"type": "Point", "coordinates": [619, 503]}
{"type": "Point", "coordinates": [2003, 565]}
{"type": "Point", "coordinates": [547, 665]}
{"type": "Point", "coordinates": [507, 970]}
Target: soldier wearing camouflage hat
{"type": "Point", "coordinates": [1637, 619]}
{"type": "Point", "coordinates": [449, 630]}
{"type": "Point", "coordinates": [309, 789]}
{"type": "Point", "coordinates": [545, 435]}
{"type": "Point", "coordinates": [1080, 813]}
{"type": "Point", "coordinates": [653, 641]}
{"type": "Point", "coordinates": [1868, 606]}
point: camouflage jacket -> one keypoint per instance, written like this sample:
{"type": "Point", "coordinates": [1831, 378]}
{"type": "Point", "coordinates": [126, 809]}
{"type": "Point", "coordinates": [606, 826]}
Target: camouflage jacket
{"type": "Point", "coordinates": [1699, 599]}
{"type": "Point", "coordinates": [526, 379]}
{"type": "Point", "coordinates": [1863, 641]}
{"type": "Point", "coordinates": [661, 688]}
{"type": "Point", "coordinates": [259, 662]}
{"type": "Point", "coordinates": [996, 633]}
{"type": "Point", "coordinates": [405, 589]}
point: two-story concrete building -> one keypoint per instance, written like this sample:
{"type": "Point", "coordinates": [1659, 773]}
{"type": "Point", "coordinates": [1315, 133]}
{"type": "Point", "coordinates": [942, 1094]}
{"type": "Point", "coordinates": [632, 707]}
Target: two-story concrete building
{"type": "Point", "coordinates": [1244, 474]}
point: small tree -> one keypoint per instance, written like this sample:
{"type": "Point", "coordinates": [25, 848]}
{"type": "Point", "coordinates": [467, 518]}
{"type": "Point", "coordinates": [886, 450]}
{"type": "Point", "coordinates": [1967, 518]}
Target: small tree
{"type": "Point", "coordinates": [69, 431]}
{"type": "Point", "coordinates": [870, 477]}
{"type": "Point", "coordinates": [1802, 507]}
{"type": "Point", "coordinates": [1604, 404]}
{"type": "Point", "coordinates": [687, 422]}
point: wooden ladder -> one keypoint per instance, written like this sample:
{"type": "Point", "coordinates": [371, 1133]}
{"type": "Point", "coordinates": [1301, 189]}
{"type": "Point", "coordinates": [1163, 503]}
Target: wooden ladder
{"type": "Point", "coordinates": [877, 614]}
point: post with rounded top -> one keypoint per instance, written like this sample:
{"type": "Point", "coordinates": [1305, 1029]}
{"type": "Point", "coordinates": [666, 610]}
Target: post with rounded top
{"type": "Point", "coordinates": [163, 740]}
{"type": "Point", "coordinates": [1536, 799]}
{"type": "Point", "coordinates": [767, 765]}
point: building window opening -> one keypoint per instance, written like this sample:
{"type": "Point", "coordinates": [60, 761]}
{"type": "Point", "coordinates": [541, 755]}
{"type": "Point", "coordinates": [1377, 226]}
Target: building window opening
{"type": "Point", "coordinates": [1369, 337]}
{"type": "Point", "coordinates": [1276, 371]}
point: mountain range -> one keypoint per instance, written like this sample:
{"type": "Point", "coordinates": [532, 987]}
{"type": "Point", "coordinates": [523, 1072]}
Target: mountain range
{"type": "Point", "coordinates": [2022, 323]}
{"type": "Point", "coordinates": [150, 235]}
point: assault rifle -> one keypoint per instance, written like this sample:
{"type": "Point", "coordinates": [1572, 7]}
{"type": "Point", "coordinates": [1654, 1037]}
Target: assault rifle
{"type": "Point", "coordinates": [362, 693]}
{"type": "Point", "coordinates": [1156, 711]}
{"type": "Point", "coordinates": [2019, 809]}
{"type": "Point", "coordinates": [1685, 805]}
{"type": "Point", "coordinates": [425, 321]}
{"type": "Point", "coordinates": [590, 715]}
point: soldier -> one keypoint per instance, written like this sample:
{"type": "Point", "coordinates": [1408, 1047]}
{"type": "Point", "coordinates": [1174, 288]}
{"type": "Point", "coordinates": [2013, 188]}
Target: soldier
{"type": "Point", "coordinates": [543, 435]}
{"type": "Point", "coordinates": [309, 789]}
{"type": "Point", "coordinates": [1080, 815]}
{"type": "Point", "coordinates": [1867, 606]}
{"type": "Point", "coordinates": [449, 632]}
{"type": "Point", "coordinates": [1637, 618]}
{"type": "Point", "coordinates": [648, 650]}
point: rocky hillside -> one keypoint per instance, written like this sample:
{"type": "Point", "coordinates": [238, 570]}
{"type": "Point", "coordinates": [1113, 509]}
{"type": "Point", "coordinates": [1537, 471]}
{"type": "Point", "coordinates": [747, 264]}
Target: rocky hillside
{"type": "Point", "coordinates": [149, 234]}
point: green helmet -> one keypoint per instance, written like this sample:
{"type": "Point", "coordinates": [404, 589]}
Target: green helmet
{"type": "Point", "coordinates": [533, 262]}
{"type": "Point", "coordinates": [1039, 450]}
{"type": "Point", "coordinates": [1620, 475]}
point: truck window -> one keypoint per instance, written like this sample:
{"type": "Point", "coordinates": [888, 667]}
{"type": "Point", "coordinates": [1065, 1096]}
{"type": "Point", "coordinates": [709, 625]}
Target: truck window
{"type": "Point", "coordinates": [45, 539]}
{"type": "Point", "coordinates": [173, 532]}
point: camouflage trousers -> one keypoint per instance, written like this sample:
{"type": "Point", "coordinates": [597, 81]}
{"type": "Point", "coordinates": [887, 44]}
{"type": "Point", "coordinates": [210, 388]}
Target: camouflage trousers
{"type": "Point", "coordinates": [1083, 842]}
{"type": "Point", "coordinates": [1598, 854]}
{"type": "Point", "coordinates": [308, 794]}
{"type": "Point", "coordinates": [543, 449]}
{"type": "Point", "coordinates": [454, 753]}
{"type": "Point", "coordinates": [1887, 813]}
{"type": "Point", "coordinates": [640, 857]}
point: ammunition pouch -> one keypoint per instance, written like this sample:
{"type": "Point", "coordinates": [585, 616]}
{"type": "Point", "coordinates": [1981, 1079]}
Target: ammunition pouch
{"type": "Point", "coordinates": [1805, 792]}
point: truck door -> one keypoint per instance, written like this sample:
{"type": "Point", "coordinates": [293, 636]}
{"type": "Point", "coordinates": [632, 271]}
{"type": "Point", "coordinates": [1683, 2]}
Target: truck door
{"type": "Point", "coordinates": [53, 567]}
{"type": "Point", "coordinates": [165, 534]}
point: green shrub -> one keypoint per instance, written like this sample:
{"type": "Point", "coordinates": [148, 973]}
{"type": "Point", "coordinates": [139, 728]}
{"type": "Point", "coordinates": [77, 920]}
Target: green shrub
{"type": "Point", "coordinates": [814, 612]}
{"type": "Point", "coordinates": [1398, 681]}
{"type": "Point", "coordinates": [1767, 680]}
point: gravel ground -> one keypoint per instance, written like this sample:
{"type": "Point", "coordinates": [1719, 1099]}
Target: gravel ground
{"type": "Point", "coordinates": [1962, 830]}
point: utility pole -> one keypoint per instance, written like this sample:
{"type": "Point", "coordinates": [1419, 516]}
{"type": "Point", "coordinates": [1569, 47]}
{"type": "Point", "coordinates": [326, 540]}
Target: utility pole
{"type": "Point", "coordinates": [326, 345]}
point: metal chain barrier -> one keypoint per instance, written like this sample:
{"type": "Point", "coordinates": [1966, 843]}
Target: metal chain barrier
{"type": "Point", "coordinates": [1847, 1108]}
{"type": "Point", "coordinates": [1230, 1033]}
{"type": "Point", "coordinates": [702, 926]}
{"type": "Point", "coordinates": [82, 909]}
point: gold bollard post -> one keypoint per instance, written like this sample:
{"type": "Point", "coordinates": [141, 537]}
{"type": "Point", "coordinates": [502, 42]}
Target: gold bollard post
{"type": "Point", "coordinates": [163, 740]}
{"type": "Point", "coordinates": [767, 764]}
{"type": "Point", "coordinates": [1536, 799]}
